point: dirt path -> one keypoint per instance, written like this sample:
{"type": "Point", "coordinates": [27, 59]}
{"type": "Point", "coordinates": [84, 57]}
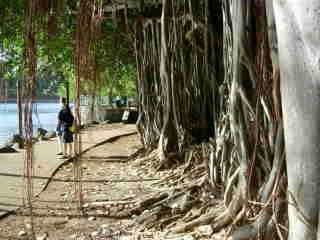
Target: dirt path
{"type": "Point", "coordinates": [112, 184]}
{"type": "Point", "coordinates": [56, 211]}
{"type": "Point", "coordinates": [46, 162]}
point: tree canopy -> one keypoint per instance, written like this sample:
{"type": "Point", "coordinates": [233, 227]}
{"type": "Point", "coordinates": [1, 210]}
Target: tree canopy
{"type": "Point", "coordinates": [114, 59]}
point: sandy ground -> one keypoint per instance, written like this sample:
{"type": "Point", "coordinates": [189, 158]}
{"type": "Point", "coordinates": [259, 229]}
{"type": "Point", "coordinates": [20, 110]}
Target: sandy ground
{"type": "Point", "coordinates": [55, 210]}
{"type": "Point", "coordinates": [111, 185]}
{"type": "Point", "coordinates": [45, 163]}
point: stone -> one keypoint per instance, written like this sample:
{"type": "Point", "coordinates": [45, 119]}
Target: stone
{"type": "Point", "coordinates": [94, 234]}
{"type": "Point", "coordinates": [205, 230]}
{"type": "Point", "coordinates": [28, 226]}
{"type": "Point", "coordinates": [41, 132]}
{"type": "Point", "coordinates": [64, 195]}
{"type": "Point", "coordinates": [60, 223]}
{"type": "Point", "coordinates": [84, 166]}
{"type": "Point", "coordinates": [86, 205]}
{"type": "Point", "coordinates": [51, 134]}
{"type": "Point", "coordinates": [16, 138]}
{"type": "Point", "coordinates": [180, 237]}
{"type": "Point", "coordinates": [52, 212]}
{"type": "Point", "coordinates": [22, 233]}
{"type": "Point", "coordinates": [125, 237]}
{"type": "Point", "coordinates": [42, 237]}
{"type": "Point", "coordinates": [100, 212]}
{"type": "Point", "coordinates": [16, 146]}
{"type": "Point", "coordinates": [7, 149]}
{"type": "Point", "coordinates": [104, 226]}
{"type": "Point", "coordinates": [73, 236]}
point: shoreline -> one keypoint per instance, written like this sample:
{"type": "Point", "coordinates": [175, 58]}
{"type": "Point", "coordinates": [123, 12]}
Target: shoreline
{"type": "Point", "coordinates": [37, 100]}
{"type": "Point", "coordinates": [44, 116]}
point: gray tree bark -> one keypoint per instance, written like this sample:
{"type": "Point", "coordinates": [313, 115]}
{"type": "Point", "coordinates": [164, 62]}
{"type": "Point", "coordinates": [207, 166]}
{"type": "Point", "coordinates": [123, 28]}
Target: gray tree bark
{"type": "Point", "coordinates": [299, 56]}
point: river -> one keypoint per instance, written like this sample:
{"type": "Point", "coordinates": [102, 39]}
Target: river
{"type": "Point", "coordinates": [46, 118]}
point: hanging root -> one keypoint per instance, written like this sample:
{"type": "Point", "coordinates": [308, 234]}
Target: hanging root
{"type": "Point", "coordinates": [233, 178]}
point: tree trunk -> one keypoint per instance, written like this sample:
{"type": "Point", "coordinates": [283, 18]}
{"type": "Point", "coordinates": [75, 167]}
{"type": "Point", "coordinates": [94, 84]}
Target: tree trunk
{"type": "Point", "coordinates": [67, 92]}
{"type": "Point", "coordinates": [19, 110]}
{"type": "Point", "coordinates": [92, 107]}
{"type": "Point", "coordinates": [299, 40]}
{"type": "Point", "coordinates": [168, 136]}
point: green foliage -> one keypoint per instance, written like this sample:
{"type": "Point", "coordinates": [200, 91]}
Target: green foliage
{"type": "Point", "coordinates": [111, 52]}
{"type": "Point", "coordinates": [119, 81]}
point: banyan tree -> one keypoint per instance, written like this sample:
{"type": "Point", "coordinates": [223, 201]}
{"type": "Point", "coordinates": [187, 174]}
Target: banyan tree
{"type": "Point", "coordinates": [209, 75]}
{"type": "Point", "coordinates": [209, 71]}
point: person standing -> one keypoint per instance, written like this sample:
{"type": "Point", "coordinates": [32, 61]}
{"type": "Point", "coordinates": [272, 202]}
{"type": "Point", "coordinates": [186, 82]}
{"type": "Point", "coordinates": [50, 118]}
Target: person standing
{"type": "Point", "coordinates": [65, 135]}
{"type": "Point", "coordinates": [59, 130]}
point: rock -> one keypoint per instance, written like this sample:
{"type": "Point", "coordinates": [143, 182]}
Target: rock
{"type": "Point", "coordinates": [124, 237]}
{"type": "Point", "coordinates": [16, 146]}
{"type": "Point", "coordinates": [100, 212]}
{"type": "Point", "coordinates": [94, 234]}
{"type": "Point", "coordinates": [73, 236]}
{"type": "Point", "coordinates": [22, 233]}
{"type": "Point", "coordinates": [42, 237]}
{"type": "Point", "coordinates": [8, 149]}
{"type": "Point", "coordinates": [103, 226]}
{"type": "Point", "coordinates": [51, 134]}
{"type": "Point", "coordinates": [180, 237]}
{"type": "Point", "coordinates": [60, 223]}
{"type": "Point", "coordinates": [41, 132]}
{"type": "Point", "coordinates": [64, 195]}
{"type": "Point", "coordinates": [16, 138]}
{"type": "Point", "coordinates": [105, 232]}
{"type": "Point", "coordinates": [205, 230]}
{"type": "Point", "coordinates": [91, 218]}
{"type": "Point", "coordinates": [86, 205]}
{"type": "Point", "coordinates": [28, 226]}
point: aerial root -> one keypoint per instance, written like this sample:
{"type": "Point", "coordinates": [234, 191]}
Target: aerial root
{"type": "Point", "coordinates": [149, 157]}
{"type": "Point", "coordinates": [185, 200]}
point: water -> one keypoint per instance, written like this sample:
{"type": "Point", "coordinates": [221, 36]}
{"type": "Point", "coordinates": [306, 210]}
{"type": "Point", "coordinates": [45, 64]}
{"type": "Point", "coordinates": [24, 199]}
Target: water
{"type": "Point", "coordinates": [46, 118]}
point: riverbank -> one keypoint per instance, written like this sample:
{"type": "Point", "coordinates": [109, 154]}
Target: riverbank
{"type": "Point", "coordinates": [38, 100]}
{"type": "Point", "coordinates": [45, 116]}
